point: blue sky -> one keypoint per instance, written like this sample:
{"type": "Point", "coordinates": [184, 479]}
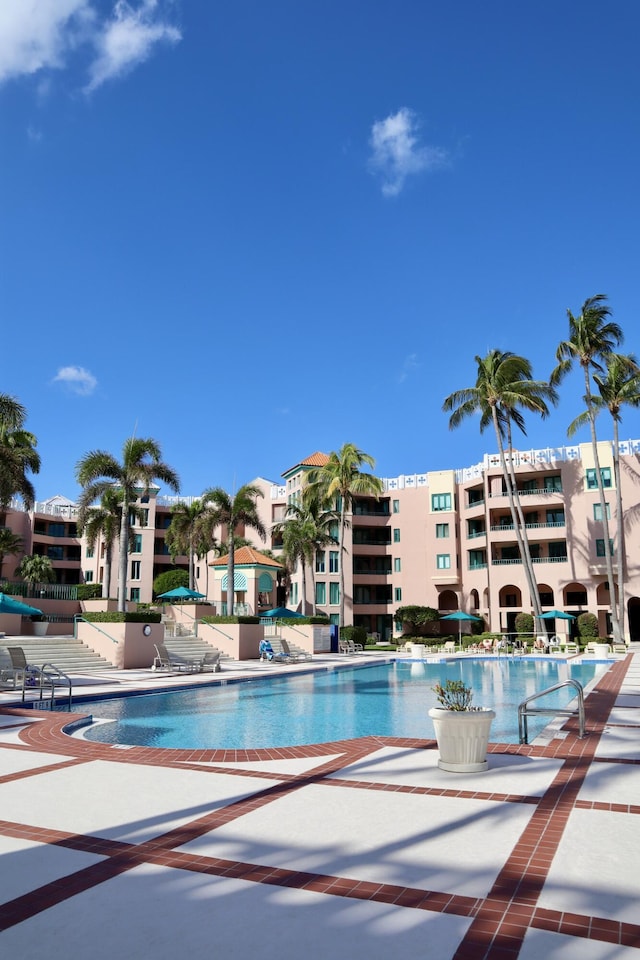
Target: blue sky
{"type": "Point", "coordinates": [255, 230]}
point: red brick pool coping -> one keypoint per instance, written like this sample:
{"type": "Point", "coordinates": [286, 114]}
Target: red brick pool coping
{"type": "Point", "coordinates": [499, 921]}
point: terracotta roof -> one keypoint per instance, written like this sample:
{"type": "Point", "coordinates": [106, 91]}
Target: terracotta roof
{"type": "Point", "coordinates": [316, 459]}
{"type": "Point", "coordinates": [247, 556]}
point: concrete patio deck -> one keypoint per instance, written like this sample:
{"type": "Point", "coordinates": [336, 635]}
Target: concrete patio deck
{"type": "Point", "coordinates": [337, 850]}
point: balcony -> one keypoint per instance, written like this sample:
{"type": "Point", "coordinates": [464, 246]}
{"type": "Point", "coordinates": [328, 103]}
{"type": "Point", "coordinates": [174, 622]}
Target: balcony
{"type": "Point", "coordinates": [499, 527]}
{"type": "Point", "coordinates": [504, 563]}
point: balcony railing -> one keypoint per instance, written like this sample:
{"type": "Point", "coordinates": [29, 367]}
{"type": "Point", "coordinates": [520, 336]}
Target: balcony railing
{"type": "Point", "coordinates": [478, 566]}
{"type": "Point", "coordinates": [528, 493]}
{"type": "Point", "coordinates": [476, 533]}
{"type": "Point", "coordinates": [496, 528]}
{"type": "Point", "coordinates": [504, 563]}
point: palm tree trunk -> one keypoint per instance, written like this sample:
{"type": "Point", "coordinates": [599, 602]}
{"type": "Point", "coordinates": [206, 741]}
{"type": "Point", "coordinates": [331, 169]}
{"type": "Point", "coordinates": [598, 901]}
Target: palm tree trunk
{"type": "Point", "coordinates": [615, 626]}
{"type": "Point", "coordinates": [304, 584]}
{"type": "Point", "coordinates": [621, 553]}
{"type": "Point", "coordinates": [341, 580]}
{"type": "Point", "coordinates": [106, 579]}
{"type": "Point", "coordinates": [124, 553]}
{"type": "Point", "coordinates": [526, 554]}
{"type": "Point", "coordinates": [533, 589]}
{"type": "Point", "coordinates": [231, 571]}
{"type": "Point", "coordinates": [191, 563]}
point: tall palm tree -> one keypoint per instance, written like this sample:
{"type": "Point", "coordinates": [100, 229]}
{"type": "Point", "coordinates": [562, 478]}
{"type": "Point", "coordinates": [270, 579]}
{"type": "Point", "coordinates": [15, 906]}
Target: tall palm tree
{"type": "Point", "coordinates": [504, 384]}
{"type": "Point", "coordinates": [231, 512]}
{"type": "Point", "coordinates": [592, 338]}
{"type": "Point", "coordinates": [140, 467]}
{"type": "Point", "coordinates": [18, 455]}
{"type": "Point", "coordinates": [103, 523]}
{"type": "Point", "coordinates": [10, 545]}
{"type": "Point", "coordinates": [619, 387]}
{"type": "Point", "coordinates": [185, 533]}
{"type": "Point", "coordinates": [305, 530]}
{"type": "Point", "coordinates": [341, 479]}
{"type": "Point", "coordinates": [35, 569]}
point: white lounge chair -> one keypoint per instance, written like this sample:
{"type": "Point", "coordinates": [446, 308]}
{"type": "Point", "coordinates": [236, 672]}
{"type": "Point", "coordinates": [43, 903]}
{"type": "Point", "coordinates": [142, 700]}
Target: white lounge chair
{"type": "Point", "coordinates": [164, 660]}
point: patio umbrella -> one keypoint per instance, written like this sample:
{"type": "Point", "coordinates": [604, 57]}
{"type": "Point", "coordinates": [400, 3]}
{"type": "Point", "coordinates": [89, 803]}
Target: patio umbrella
{"type": "Point", "coordinates": [460, 615]}
{"type": "Point", "coordinates": [181, 593]}
{"type": "Point", "coordinates": [281, 613]}
{"type": "Point", "coordinates": [556, 615]}
{"type": "Point", "coordinates": [9, 605]}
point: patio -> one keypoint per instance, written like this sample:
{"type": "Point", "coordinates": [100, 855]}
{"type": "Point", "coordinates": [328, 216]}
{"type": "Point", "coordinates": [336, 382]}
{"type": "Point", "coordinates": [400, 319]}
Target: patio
{"type": "Point", "coordinates": [346, 848]}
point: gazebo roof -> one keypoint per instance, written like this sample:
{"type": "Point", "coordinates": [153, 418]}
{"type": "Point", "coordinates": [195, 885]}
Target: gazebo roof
{"type": "Point", "coordinates": [247, 556]}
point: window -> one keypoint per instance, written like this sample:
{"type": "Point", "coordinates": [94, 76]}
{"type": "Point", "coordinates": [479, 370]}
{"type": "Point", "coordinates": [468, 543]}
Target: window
{"type": "Point", "coordinates": [293, 594]}
{"type": "Point", "coordinates": [553, 484]}
{"type": "Point", "coordinates": [320, 562]}
{"type": "Point", "coordinates": [321, 593]}
{"type": "Point", "coordinates": [55, 553]}
{"type": "Point", "coordinates": [576, 598]}
{"type": "Point", "coordinates": [442, 531]}
{"type": "Point", "coordinates": [558, 550]}
{"type": "Point", "coordinates": [592, 480]}
{"type": "Point", "coordinates": [334, 618]}
{"type": "Point", "coordinates": [56, 530]}
{"type": "Point", "coordinates": [477, 558]}
{"type": "Point", "coordinates": [135, 594]}
{"type": "Point", "coordinates": [600, 548]}
{"type": "Point", "coordinates": [88, 576]}
{"type": "Point", "coordinates": [396, 535]}
{"type": "Point", "coordinates": [397, 594]}
{"type": "Point", "coordinates": [555, 516]}
{"type": "Point", "coordinates": [334, 561]}
{"type": "Point", "coordinates": [137, 543]}
{"type": "Point", "coordinates": [135, 569]}
{"type": "Point", "coordinates": [396, 506]}
{"type": "Point", "coordinates": [89, 553]}
{"type": "Point", "coordinates": [443, 561]}
{"type": "Point", "coordinates": [144, 518]}
{"type": "Point", "coordinates": [334, 593]}
{"type": "Point", "coordinates": [397, 565]}
{"type": "Point", "coordinates": [529, 486]}
{"type": "Point", "coordinates": [597, 511]}
{"type": "Point", "coordinates": [440, 501]}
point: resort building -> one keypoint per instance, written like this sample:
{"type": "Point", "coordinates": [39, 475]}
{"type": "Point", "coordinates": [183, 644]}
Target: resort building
{"type": "Point", "coordinates": [443, 539]}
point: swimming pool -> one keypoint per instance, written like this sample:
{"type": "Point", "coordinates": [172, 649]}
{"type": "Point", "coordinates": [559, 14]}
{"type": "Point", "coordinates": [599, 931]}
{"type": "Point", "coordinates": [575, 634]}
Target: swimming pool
{"type": "Point", "coordinates": [389, 700]}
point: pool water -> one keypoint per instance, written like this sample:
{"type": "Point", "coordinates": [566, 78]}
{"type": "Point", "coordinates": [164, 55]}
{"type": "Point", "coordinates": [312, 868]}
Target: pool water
{"type": "Point", "coordinates": [389, 700]}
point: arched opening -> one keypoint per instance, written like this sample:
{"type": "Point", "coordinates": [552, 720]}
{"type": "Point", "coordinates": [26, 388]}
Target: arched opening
{"type": "Point", "coordinates": [448, 601]}
{"type": "Point", "coordinates": [546, 595]}
{"type": "Point", "coordinates": [474, 600]}
{"type": "Point", "coordinates": [575, 595]}
{"type": "Point", "coordinates": [510, 596]}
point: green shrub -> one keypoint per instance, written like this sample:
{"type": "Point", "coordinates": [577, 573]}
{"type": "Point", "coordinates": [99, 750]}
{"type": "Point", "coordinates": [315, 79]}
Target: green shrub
{"type": "Point", "coordinates": [355, 634]}
{"type": "Point", "coordinates": [116, 616]}
{"type": "Point", "coordinates": [524, 624]}
{"type": "Point", "coordinates": [422, 618]}
{"type": "Point", "coordinates": [230, 619]}
{"type": "Point", "coordinates": [588, 626]}
{"type": "Point", "coordinates": [89, 591]}
{"type": "Point", "coordinates": [169, 580]}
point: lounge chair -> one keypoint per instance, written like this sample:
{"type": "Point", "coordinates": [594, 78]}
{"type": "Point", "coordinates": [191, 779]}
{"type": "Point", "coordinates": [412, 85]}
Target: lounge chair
{"type": "Point", "coordinates": [296, 655]}
{"type": "Point", "coordinates": [268, 653]}
{"type": "Point", "coordinates": [25, 673]}
{"type": "Point", "coordinates": [349, 647]}
{"type": "Point", "coordinates": [210, 663]}
{"type": "Point", "coordinates": [164, 660]}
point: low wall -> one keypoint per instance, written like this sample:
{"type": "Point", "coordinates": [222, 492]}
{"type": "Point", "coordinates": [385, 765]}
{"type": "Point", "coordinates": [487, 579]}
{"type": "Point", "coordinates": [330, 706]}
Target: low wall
{"type": "Point", "coordinates": [125, 645]}
{"type": "Point", "coordinates": [238, 640]}
{"type": "Point", "coordinates": [310, 637]}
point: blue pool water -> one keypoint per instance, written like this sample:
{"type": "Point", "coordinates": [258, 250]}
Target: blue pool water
{"type": "Point", "coordinates": [389, 700]}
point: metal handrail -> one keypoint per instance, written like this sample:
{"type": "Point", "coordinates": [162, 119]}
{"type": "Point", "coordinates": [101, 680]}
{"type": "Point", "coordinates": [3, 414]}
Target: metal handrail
{"type": "Point", "coordinates": [525, 711]}
{"type": "Point", "coordinates": [48, 673]}
{"type": "Point", "coordinates": [78, 617]}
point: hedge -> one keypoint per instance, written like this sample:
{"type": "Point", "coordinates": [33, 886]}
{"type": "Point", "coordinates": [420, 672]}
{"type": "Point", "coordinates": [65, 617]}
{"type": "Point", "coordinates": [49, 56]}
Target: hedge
{"type": "Point", "coordinates": [116, 616]}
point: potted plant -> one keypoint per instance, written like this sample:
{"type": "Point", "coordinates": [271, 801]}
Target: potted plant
{"type": "Point", "coordinates": [462, 730]}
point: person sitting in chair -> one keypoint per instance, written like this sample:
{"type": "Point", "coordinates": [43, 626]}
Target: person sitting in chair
{"type": "Point", "coordinates": [266, 650]}
{"type": "Point", "coordinates": [541, 645]}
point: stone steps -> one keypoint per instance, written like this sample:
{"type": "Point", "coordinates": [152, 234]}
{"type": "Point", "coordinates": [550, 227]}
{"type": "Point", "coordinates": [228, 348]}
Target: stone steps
{"type": "Point", "coordinates": [66, 653]}
{"type": "Point", "coordinates": [191, 648]}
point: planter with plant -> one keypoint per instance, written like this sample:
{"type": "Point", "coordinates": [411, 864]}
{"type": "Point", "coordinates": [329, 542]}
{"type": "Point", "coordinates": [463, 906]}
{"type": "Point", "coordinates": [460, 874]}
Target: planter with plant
{"type": "Point", "coordinates": [462, 730]}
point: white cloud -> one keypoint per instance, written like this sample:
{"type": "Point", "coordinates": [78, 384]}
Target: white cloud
{"type": "Point", "coordinates": [128, 39]}
{"type": "Point", "coordinates": [410, 364]}
{"type": "Point", "coordinates": [36, 34]}
{"type": "Point", "coordinates": [396, 152]}
{"type": "Point", "coordinates": [41, 35]}
{"type": "Point", "coordinates": [77, 379]}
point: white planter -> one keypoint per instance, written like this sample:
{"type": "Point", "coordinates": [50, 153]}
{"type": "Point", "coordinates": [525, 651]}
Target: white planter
{"type": "Point", "coordinates": [40, 628]}
{"type": "Point", "coordinates": [462, 738]}
{"type": "Point", "coordinates": [418, 651]}
{"type": "Point", "coordinates": [601, 650]}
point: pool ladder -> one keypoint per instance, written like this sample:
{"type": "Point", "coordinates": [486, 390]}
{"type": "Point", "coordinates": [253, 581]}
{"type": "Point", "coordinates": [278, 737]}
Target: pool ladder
{"type": "Point", "coordinates": [524, 710]}
{"type": "Point", "coordinates": [47, 676]}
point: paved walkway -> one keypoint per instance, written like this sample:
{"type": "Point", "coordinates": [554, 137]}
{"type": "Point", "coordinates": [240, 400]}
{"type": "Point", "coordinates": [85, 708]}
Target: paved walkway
{"type": "Point", "coordinates": [334, 851]}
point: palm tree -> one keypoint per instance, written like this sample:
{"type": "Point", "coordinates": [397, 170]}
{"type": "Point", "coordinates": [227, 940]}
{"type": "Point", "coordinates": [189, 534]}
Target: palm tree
{"type": "Point", "coordinates": [504, 384]}
{"type": "Point", "coordinates": [341, 479]}
{"type": "Point", "coordinates": [185, 533]}
{"type": "Point", "coordinates": [232, 512]}
{"type": "Point", "coordinates": [103, 522]}
{"type": "Point", "coordinates": [141, 466]}
{"type": "Point", "coordinates": [10, 544]}
{"type": "Point", "coordinates": [305, 530]}
{"type": "Point", "coordinates": [35, 569]}
{"type": "Point", "coordinates": [18, 455]}
{"type": "Point", "coordinates": [619, 387]}
{"type": "Point", "coordinates": [592, 338]}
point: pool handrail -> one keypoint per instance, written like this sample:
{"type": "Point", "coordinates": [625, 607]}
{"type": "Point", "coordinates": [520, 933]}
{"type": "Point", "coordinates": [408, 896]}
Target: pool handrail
{"type": "Point", "coordinates": [525, 711]}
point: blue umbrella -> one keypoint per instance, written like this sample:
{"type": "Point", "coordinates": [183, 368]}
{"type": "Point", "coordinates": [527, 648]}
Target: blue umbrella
{"type": "Point", "coordinates": [9, 605]}
{"type": "Point", "coordinates": [181, 593]}
{"type": "Point", "coordinates": [556, 615]}
{"type": "Point", "coordinates": [459, 615]}
{"type": "Point", "coordinates": [280, 613]}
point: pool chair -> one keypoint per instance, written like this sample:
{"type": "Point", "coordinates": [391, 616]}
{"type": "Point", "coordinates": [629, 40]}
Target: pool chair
{"type": "Point", "coordinates": [349, 647]}
{"type": "Point", "coordinates": [164, 660]}
{"type": "Point", "coordinates": [273, 654]}
{"type": "Point", "coordinates": [18, 671]}
{"type": "Point", "coordinates": [296, 655]}
{"type": "Point", "coordinates": [210, 663]}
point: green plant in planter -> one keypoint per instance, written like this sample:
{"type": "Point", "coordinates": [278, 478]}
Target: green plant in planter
{"type": "Point", "coordinates": [454, 695]}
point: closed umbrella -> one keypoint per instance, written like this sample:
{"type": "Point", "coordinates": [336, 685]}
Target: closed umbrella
{"type": "Point", "coordinates": [9, 605]}
{"type": "Point", "coordinates": [460, 616]}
